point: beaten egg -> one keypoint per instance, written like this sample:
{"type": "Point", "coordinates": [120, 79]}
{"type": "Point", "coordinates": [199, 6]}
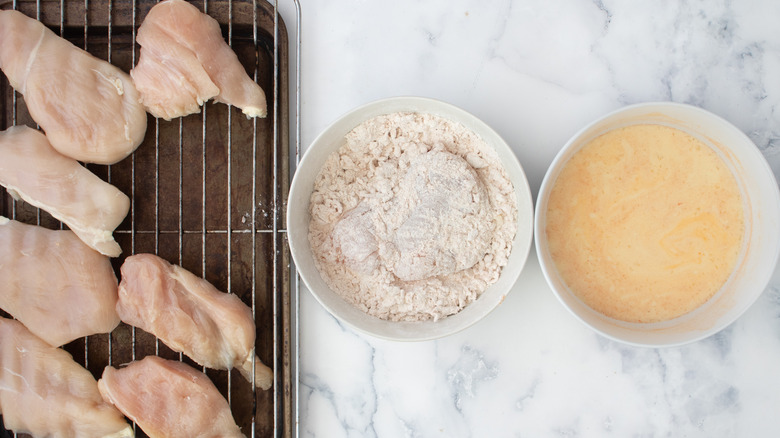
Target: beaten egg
{"type": "Point", "coordinates": [645, 223]}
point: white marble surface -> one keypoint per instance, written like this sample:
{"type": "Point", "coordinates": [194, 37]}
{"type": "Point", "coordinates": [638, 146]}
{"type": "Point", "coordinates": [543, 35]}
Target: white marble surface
{"type": "Point", "coordinates": [537, 71]}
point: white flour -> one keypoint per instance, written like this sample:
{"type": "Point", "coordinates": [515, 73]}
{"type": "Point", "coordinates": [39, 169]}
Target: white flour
{"type": "Point", "coordinates": [413, 218]}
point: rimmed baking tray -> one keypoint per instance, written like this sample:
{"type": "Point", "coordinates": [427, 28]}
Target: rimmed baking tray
{"type": "Point", "coordinates": [208, 192]}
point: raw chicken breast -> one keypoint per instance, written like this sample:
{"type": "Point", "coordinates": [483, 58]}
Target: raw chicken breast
{"type": "Point", "coordinates": [53, 283]}
{"type": "Point", "coordinates": [185, 61]}
{"type": "Point", "coordinates": [190, 315]}
{"type": "Point", "coordinates": [169, 399]}
{"type": "Point", "coordinates": [32, 170]}
{"type": "Point", "coordinates": [45, 393]}
{"type": "Point", "coordinates": [88, 108]}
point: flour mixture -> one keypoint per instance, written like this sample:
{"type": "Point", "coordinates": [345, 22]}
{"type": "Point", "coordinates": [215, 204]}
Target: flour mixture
{"type": "Point", "coordinates": [413, 218]}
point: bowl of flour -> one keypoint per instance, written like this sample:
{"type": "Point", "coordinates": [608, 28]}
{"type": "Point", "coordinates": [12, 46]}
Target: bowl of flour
{"type": "Point", "coordinates": [409, 219]}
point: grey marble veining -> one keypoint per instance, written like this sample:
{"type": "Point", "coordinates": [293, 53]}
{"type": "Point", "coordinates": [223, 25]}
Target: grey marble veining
{"type": "Point", "coordinates": [537, 71]}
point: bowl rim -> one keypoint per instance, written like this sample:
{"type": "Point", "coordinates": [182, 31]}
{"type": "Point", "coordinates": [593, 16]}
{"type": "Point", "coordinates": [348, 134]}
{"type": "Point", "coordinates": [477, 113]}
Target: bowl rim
{"type": "Point", "coordinates": [559, 161]}
{"type": "Point", "coordinates": [414, 331]}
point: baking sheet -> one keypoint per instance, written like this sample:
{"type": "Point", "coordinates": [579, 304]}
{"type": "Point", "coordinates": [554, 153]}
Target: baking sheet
{"type": "Point", "coordinates": [208, 192]}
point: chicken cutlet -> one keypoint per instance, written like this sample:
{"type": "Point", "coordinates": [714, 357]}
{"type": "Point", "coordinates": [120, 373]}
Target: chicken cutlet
{"type": "Point", "coordinates": [190, 315]}
{"type": "Point", "coordinates": [56, 285]}
{"type": "Point", "coordinates": [30, 169]}
{"type": "Point", "coordinates": [89, 109]}
{"type": "Point", "coordinates": [184, 62]}
{"type": "Point", "coordinates": [45, 393]}
{"type": "Point", "coordinates": [169, 399]}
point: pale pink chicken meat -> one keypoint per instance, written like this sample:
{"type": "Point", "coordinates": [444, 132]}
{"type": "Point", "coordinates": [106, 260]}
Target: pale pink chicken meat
{"type": "Point", "coordinates": [45, 393]}
{"type": "Point", "coordinates": [89, 109]}
{"type": "Point", "coordinates": [53, 283]}
{"type": "Point", "coordinates": [184, 62]}
{"type": "Point", "coordinates": [190, 315]}
{"type": "Point", "coordinates": [169, 399]}
{"type": "Point", "coordinates": [30, 169]}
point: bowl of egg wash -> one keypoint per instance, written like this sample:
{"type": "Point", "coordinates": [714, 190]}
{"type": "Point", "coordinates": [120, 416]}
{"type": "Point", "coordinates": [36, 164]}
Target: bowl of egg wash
{"type": "Point", "coordinates": [658, 224]}
{"type": "Point", "coordinates": [409, 219]}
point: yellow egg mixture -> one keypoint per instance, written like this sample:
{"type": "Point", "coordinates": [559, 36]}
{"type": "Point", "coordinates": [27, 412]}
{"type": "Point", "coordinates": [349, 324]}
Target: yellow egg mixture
{"type": "Point", "coordinates": [645, 223]}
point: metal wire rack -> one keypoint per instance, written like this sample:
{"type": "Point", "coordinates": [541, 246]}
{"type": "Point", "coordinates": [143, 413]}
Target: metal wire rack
{"type": "Point", "coordinates": [208, 192]}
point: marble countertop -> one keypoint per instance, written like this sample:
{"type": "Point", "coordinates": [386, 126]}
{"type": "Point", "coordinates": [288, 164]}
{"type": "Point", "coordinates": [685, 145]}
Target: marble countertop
{"type": "Point", "coordinates": [537, 71]}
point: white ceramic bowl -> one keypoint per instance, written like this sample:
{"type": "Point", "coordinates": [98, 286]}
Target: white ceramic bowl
{"type": "Point", "coordinates": [330, 140]}
{"type": "Point", "coordinates": [762, 226]}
